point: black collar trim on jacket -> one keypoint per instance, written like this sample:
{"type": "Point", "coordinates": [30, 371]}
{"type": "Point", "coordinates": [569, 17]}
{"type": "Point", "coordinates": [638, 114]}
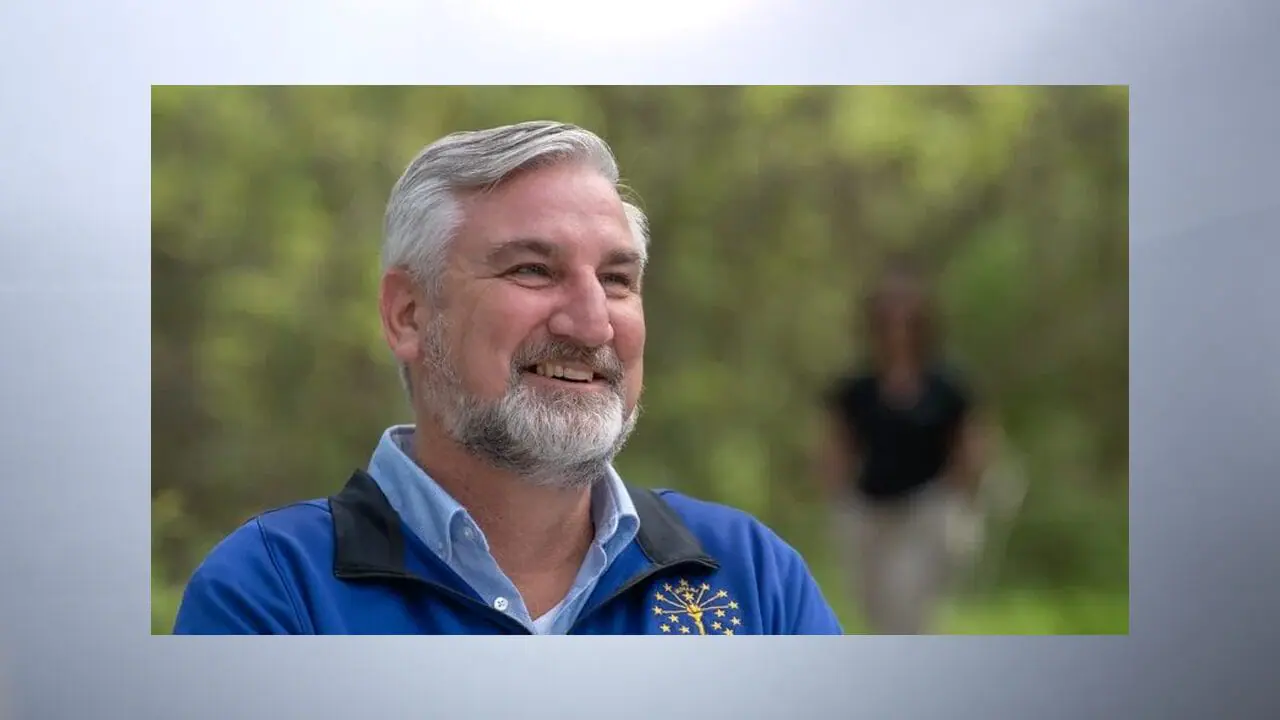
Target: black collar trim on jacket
{"type": "Point", "coordinates": [369, 538]}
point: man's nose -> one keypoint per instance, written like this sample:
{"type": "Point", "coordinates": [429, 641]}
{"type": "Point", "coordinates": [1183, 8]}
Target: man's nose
{"type": "Point", "coordinates": [583, 316]}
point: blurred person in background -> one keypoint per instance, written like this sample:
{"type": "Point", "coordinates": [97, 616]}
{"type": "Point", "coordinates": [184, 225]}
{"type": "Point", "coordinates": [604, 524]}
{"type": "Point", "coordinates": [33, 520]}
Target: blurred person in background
{"type": "Point", "coordinates": [511, 299]}
{"type": "Point", "coordinates": [902, 460]}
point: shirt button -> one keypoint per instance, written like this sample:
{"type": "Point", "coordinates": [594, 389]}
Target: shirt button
{"type": "Point", "coordinates": [466, 533]}
{"type": "Point", "coordinates": [500, 604]}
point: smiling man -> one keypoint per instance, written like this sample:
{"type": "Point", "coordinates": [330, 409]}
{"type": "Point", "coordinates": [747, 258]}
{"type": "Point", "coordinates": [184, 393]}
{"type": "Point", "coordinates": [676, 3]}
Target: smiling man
{"type": "Point", "coordinates": [511, 298]}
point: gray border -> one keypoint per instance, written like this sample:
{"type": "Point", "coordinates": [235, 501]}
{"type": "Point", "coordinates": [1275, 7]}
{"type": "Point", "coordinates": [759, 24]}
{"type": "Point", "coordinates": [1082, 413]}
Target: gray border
{"type": "Point", "coordinates": [1204, 397]}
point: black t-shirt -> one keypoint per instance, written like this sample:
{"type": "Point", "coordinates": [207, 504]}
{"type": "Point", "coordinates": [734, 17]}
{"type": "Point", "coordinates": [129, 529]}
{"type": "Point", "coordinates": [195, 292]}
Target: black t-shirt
{"type": "Point", "coordinates": [901, 448]}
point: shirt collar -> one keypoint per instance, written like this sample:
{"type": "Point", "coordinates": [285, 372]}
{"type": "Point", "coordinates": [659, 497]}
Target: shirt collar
{"type": "Point", "coordinates": [434, 515]}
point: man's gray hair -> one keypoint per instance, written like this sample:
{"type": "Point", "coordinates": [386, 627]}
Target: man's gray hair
{"type": "Point", "coordinates": [424, 211]}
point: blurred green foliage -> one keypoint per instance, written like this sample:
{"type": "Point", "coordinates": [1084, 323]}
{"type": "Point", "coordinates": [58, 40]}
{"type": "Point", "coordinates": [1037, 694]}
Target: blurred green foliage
{"type": "Point", "coordinates": [770, 207]}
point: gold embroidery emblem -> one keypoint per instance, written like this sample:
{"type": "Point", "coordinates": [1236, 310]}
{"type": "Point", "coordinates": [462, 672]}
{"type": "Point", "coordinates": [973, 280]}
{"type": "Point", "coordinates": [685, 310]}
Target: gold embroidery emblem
{"type": "Point", "coordinates": [684, 609]}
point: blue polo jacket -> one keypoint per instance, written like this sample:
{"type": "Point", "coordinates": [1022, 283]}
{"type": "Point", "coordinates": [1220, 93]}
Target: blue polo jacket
{"type": "Point", "coordinates": [348, 565]}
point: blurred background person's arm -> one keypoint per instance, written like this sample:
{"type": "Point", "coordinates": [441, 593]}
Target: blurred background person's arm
{"type": "Point", "coordinates": [970, 452]}
{"type": "Point", "coordinates": [968, 462]}
{"type": "Point", "coordinates": [837, 464]}
{"type": "Point", "coordinates": [837, 461]}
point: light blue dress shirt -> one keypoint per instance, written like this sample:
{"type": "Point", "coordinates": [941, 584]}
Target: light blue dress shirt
{"type": "Point", "coordinates": [449, 530]}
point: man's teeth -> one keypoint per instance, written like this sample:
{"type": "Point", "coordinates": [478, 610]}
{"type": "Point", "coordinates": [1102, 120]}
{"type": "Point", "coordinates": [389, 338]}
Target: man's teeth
{"type": "Point", "coordinates": [564, 373]}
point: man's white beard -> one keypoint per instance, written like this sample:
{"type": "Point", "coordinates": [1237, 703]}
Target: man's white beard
{"type": "Point", "coordinates": [561, 438]}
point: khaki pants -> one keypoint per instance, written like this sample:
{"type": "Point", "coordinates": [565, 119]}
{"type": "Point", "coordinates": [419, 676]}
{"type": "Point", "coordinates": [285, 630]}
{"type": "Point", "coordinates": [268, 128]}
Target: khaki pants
{"type": "Point", "coordinates": [904, 556]}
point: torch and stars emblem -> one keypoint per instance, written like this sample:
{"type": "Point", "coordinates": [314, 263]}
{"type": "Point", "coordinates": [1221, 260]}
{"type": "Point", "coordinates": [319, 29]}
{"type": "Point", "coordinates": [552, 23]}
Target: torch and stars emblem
{"type": "Point", "coordinates": [686, 609]}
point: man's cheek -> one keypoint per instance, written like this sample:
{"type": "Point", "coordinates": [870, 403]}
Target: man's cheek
{"type": "Point", "coordinates": [635, 382]}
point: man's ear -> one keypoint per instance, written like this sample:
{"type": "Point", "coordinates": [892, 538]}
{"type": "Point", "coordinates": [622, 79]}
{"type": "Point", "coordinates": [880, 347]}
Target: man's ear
{"type": "Point", "coordinates": [402, 305]}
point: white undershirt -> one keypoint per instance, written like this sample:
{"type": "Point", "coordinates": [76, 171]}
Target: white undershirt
{"type": "Point", "coordinates": [542, 625]}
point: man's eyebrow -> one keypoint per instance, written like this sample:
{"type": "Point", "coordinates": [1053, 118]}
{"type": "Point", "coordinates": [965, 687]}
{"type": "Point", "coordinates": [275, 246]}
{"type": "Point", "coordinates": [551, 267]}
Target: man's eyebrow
{"type": "Point", "coordinates": [547, 250]}
{"type": "Point", "coordinates": [624, 257]}
{"type": "Point", "coordinates": [520, 246]}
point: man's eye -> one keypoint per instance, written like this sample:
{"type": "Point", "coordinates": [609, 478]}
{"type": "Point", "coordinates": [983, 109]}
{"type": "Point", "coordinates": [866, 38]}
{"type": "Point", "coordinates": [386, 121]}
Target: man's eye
{"type": "Point", "coordinates": [618, 279]}
{"type": "Point", "coordinates": [531, 271]}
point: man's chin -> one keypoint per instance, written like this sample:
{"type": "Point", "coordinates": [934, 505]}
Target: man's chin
{"type": "Point", "coordinates": [557, 465]}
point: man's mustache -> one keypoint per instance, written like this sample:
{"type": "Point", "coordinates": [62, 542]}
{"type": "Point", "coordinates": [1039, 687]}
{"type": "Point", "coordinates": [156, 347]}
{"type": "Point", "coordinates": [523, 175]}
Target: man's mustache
{"type": "Point", "coordinates": [602, 360]}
